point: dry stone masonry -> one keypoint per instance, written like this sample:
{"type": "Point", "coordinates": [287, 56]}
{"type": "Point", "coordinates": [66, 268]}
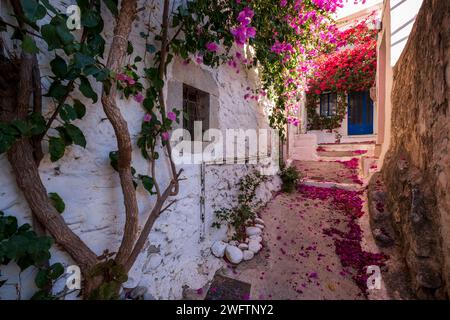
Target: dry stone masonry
{"type": "Point", "coordinates": [417, 168]}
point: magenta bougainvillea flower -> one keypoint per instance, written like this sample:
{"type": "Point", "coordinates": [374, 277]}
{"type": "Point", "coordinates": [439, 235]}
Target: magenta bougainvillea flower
{"type": "Point", "coordinates": [165, 136]}
{"type": "Point", "coordinates": [244, 31]}
{"type": "Point", "coordinates": [171, 116]}
{"type": "Point", "coordinates": [212, 47]}
{"type": "Point", "coordinates": [347, 243]}
{"type": "Point", "coordinates": [147, 117]}
{"type": "Point", "coordinates": [139, 97]}
{"type": "Point", "coordinates": [122, 77]}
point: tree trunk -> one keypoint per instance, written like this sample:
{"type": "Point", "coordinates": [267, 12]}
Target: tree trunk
{"type": "Point", "coordinates": [14, 104]}
{"type": "Point", "coordinates": [115, 60]}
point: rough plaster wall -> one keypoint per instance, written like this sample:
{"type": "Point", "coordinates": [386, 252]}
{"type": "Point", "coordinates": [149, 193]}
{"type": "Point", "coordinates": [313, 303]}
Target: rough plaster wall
{"type": "Point", "coordinates": [174, 256]}
{"type": "Point", "coordinates": [417, 166]}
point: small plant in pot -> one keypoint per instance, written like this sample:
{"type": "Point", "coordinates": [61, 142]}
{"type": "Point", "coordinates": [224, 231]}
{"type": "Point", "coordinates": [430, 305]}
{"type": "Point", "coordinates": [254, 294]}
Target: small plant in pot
{"type": "Point", "coordinates": [290, 177]}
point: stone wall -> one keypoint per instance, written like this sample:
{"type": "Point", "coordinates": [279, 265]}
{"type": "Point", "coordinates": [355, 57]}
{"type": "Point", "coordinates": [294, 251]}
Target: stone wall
{"type": "Point", "coordinates": [416, 171]}
{"type": "Point", "coordinates": [177, 253]}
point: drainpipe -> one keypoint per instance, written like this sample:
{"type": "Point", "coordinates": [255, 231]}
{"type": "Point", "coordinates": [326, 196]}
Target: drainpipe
{"type": "Point", "coordinates": [202, 201]}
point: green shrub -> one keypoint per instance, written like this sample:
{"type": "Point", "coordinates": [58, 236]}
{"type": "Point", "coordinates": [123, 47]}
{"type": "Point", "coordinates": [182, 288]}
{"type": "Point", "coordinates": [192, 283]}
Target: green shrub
{"type": "Point", "coordinates": [244, 210]}
{"type": "Point", "coordinates": [290, 177]}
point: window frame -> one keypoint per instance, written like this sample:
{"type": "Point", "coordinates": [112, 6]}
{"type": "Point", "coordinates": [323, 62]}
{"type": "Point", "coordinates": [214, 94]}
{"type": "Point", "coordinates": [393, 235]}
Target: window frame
{"type": "Point", "coordinates": [328, 111]}
{"type": "Point", "coordinates": [200, 96]}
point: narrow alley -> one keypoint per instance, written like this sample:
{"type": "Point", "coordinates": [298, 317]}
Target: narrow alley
{"type": "Point", "coordinates": [317, 240]}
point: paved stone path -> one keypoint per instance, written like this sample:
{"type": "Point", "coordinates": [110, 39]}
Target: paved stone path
{"type": "Point", "coordinates": [298, 260]}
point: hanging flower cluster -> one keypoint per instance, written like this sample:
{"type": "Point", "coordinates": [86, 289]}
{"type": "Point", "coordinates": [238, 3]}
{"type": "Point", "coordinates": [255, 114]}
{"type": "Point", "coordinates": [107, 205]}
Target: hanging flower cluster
{"type": "Point", "coordinates": [350, 69]}
{"type": "Point", "coordinates": [244, 31]}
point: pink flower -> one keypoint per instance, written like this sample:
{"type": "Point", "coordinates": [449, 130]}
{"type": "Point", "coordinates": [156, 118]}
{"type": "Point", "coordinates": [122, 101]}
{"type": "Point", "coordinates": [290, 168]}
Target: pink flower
{"type": "Point", "coordinates": [212, 47]}
{"type": "Point", "coordinates": [130, 81]}
{"type": "Point", "coordinates": [165, 136]}
{"type": "Point", "coordinates": [251, 32]}
{"type": "Point", "coordinates": [242, 33]}
{"type": "Point", "coordinates": [245, 16]}
{"type": "Point", "coordinates": [147, 117]}
{"type": "Point", "coordinates": [139, 97]}
{"type": "Point", "coordinates": [172, 116]}
{"type": "Point", "coordinates": [283, 3]}
{"type": "Point", "coordinates": [199, 59]}
{"type": "Point", "coordinates": [122, 77]}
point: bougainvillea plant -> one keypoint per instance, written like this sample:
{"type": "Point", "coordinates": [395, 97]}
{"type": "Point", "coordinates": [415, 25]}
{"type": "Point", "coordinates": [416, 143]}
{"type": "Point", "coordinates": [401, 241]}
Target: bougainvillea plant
{"type": "Point", "coordinates": [284, 37]}
{"type": "Point", "coordinates": [350, 68]}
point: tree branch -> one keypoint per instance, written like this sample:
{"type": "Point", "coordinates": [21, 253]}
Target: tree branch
{"type": "Point", "coordinates": [154, 214]}
{"type": "Point", "coordinates": [115, 59]}
{"type": "Point", "coordinates": [25, 168]}
{"type": "Point", "coordinates": [162, 68]}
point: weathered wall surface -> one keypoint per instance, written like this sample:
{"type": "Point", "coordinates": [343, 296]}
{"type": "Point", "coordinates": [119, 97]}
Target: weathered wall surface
{"type": "Point", "coordinates": [177, 253]}
{"type": "Point", "coordinates": [417, 167]}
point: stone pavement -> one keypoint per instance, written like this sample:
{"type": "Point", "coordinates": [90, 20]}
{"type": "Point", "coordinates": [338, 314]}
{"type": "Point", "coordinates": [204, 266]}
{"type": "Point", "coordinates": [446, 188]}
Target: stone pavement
{"type": "Point", "coordinates": [299, 261]}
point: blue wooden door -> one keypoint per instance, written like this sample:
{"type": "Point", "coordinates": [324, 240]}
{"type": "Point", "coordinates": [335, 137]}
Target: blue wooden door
{"type": "Point", "coordinates": [360, 113]}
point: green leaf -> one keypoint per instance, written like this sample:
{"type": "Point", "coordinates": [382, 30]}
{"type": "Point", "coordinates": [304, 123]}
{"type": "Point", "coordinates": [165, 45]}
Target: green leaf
{"type": "Point", "coordinates": [50, 36]}
{"type": "Point", "coordinates": [150, 48]}
{"type": "Point", "coordinates": [82, 60]}
{"type": "Point", "coordinates": [148, 183]}
{"type": "Point", "coordinates": [57, 202]}
{"type": "Point", "coordinates": [76, 135]}
{"type": "Point", "coordinates": [47, 4]}
{"type": "Point", "coordinates": [114, 159]}
{"type": "Point", "coordinates": [96, 44]}
{"type": "Point", "coordinates": [21, 126]}
{"type": "Point", "coordinates": [57, 148]}
{"type": "Point", "coordinates": [57, 90]}
{"type": "Point", "coordinates": [57, 270]}
{"type": "Point", "coordinates": [42, 278]}
{"type": "Point", "coordinates": [80, 108]}
{"type": "Point", "coordinates": [64, 34]}
{"type": "Point", "coordinates": [86, 89]}
{"type": "Point", "coordinates": [64, 136]}
{"type": "Point", "coordinates": [28, 45]}
{"type": "Point", "coordinates": [37, 124]}
{"type": "Point", "coordinates": [90, 19]}
{"type": "Point", "coordinates": [130, 48]}
{"type": "Point", "coordinates": [6, 142]}
{"type": "Point", "coordinates": [67, 113]}
{"type": "Point", "coordinates": [8, 226]}
{"type": "Point", "coordinates": [59, 66]}
{"type": "Point", "coordinates": [102, 75]}
{"type": "Point", "coordinates": [112, 6]}
{"type": "Point", "coordinates": [32, 10]}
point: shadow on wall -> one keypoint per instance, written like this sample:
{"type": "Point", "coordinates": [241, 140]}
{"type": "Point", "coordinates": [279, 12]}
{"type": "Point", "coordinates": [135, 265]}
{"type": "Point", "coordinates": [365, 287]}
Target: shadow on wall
{"type": "Point", "coordinates": [416, 171]}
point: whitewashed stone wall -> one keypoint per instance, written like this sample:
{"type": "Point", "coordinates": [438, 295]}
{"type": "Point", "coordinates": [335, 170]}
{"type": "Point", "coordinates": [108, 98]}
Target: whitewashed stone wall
{"type": "Point", "coordinates": [174, 256]}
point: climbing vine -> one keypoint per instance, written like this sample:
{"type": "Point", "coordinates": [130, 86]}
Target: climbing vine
{"type": "Point", "coordinates": [23, 246]}
{"type": "Point", "coordinates": [351, 68]}
{"type": "Point", "coordinates": [318, 122]}
{"type": "Point", "coordinates": [241, 215]}
{"type": "Point", "coordinates": [283, 37]}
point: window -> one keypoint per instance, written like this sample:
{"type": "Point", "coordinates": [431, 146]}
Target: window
{"type": "Point", "coordinates": [328, 102]}
{"type": "Point", "coordinates": [195, 108]}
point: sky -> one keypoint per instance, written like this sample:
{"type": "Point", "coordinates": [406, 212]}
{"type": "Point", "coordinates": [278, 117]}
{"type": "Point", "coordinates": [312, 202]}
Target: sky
{"type": "Point", "coordinates": [350, 7]}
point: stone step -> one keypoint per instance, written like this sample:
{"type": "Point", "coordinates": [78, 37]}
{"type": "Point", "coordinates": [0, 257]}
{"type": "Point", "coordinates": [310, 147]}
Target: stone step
{"type": "Point", "coordinates": [305, 140]}
{"type": "Point", "coordinates": [333, 185]}
{"type": "Point", "coordinates": [346, 147]}
{"type": "Point", "coordinates": [304, 154]}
